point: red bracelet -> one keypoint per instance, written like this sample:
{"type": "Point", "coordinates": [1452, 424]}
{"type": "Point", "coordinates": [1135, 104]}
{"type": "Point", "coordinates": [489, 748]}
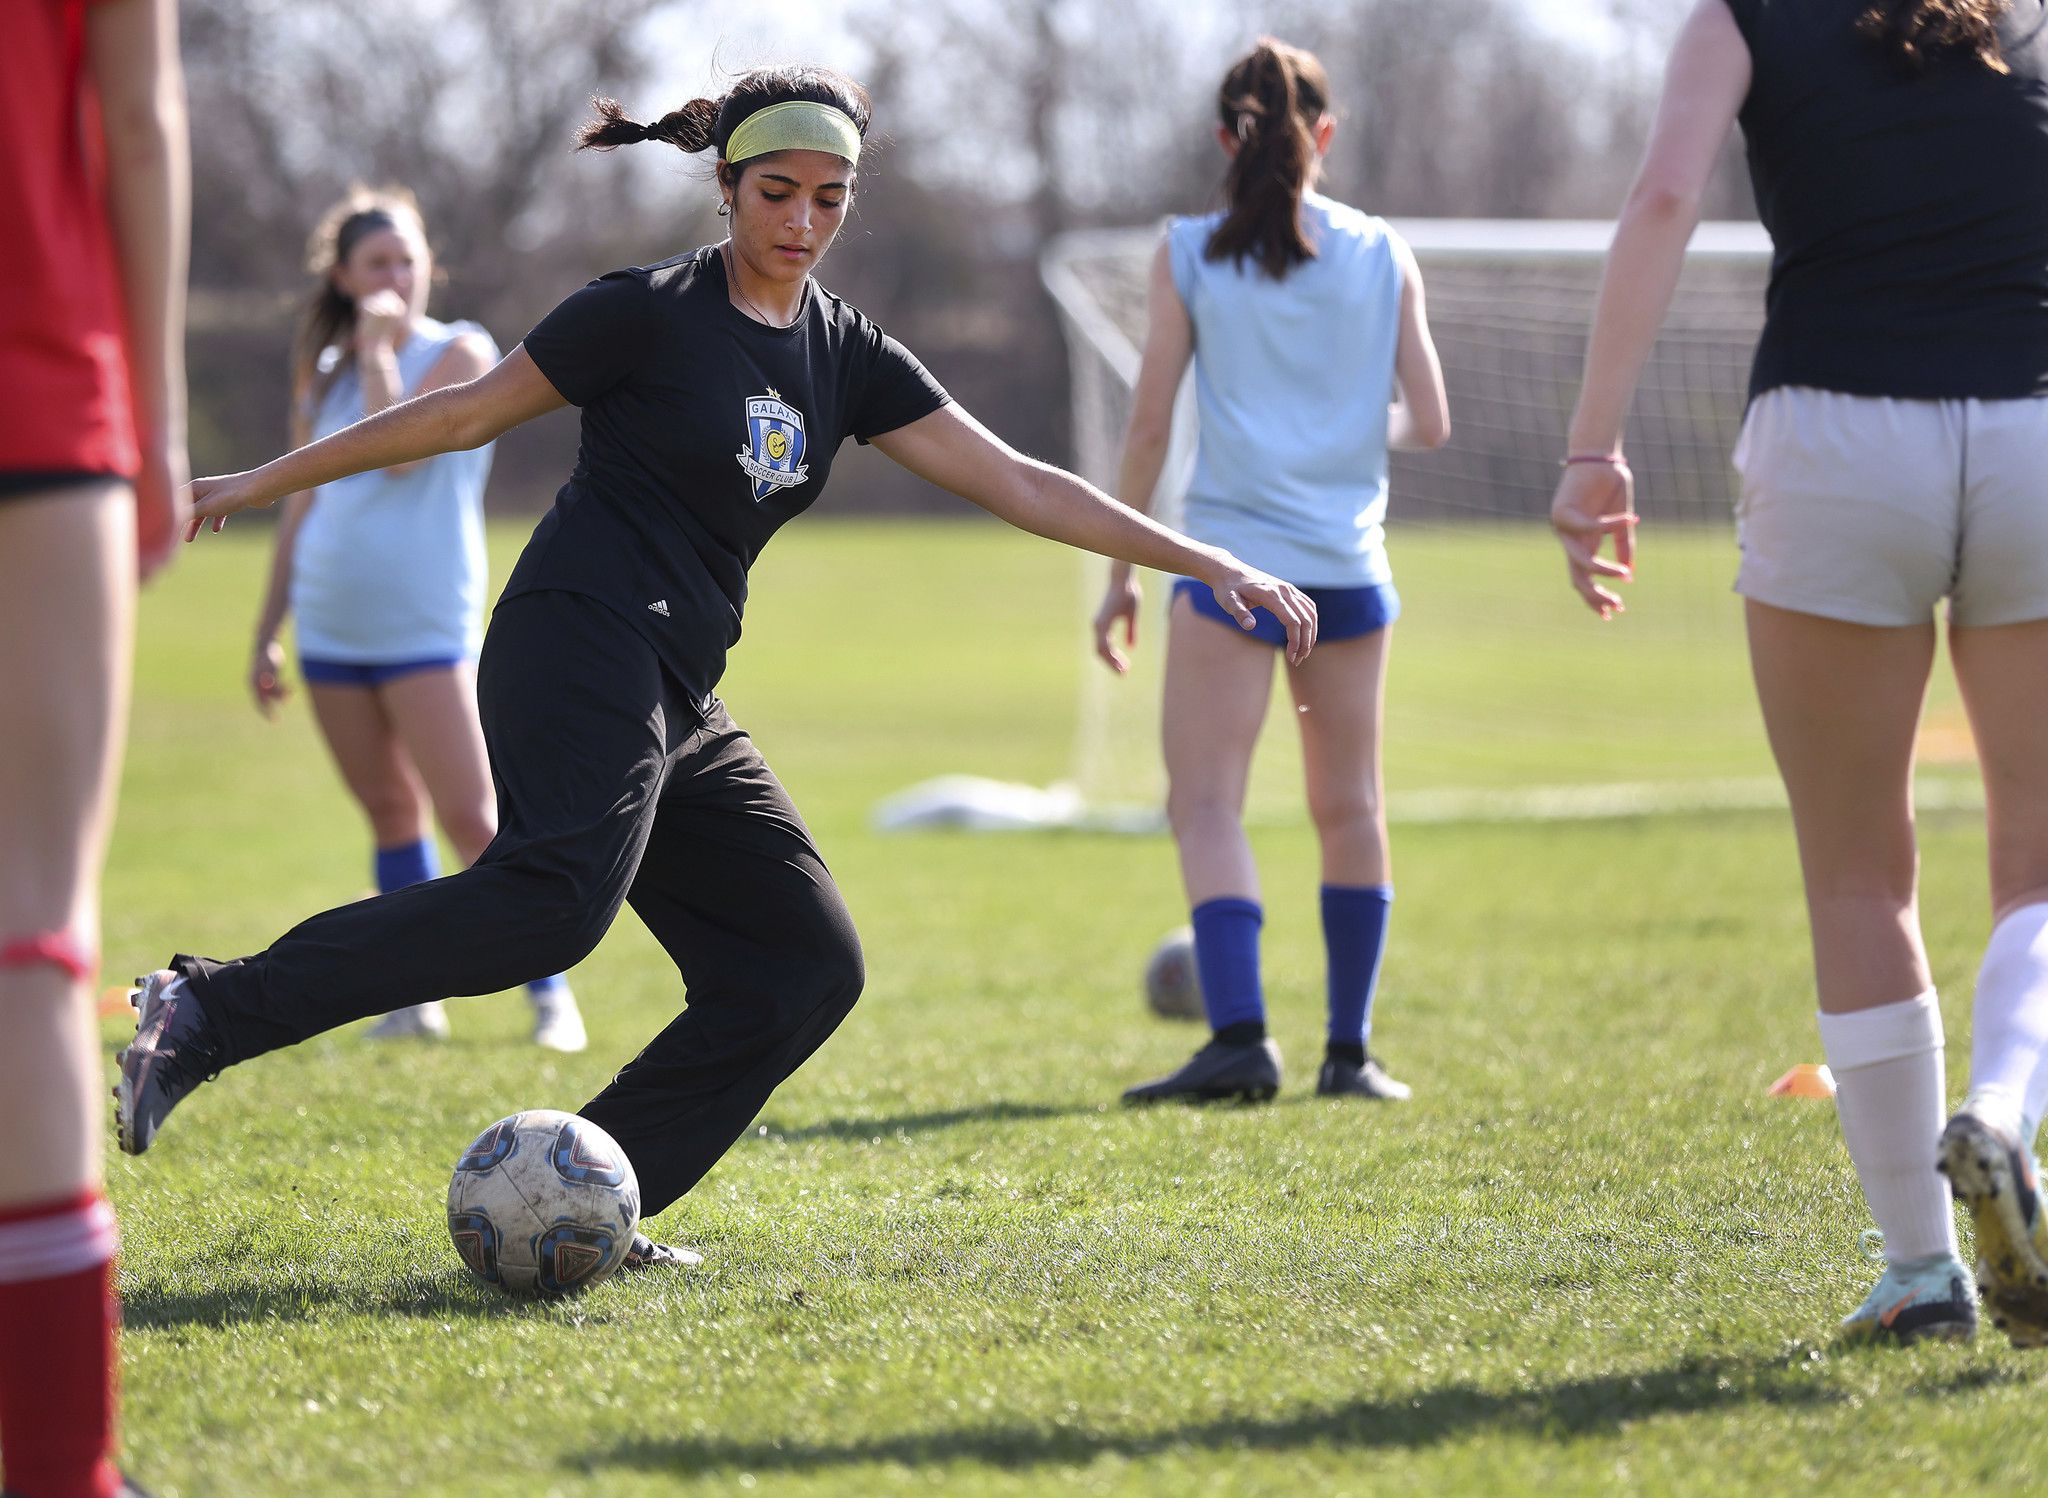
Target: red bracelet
{"type": "Point", "coordinates": [1612, 460]}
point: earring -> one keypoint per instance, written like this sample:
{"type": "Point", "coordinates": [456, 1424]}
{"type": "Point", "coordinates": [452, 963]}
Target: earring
{"type": "Point", "coordinates": [725, 210]}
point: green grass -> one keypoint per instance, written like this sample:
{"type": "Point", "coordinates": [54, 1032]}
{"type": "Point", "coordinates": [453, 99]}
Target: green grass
{"type": "Point", "coordinates": [1591, 1256]}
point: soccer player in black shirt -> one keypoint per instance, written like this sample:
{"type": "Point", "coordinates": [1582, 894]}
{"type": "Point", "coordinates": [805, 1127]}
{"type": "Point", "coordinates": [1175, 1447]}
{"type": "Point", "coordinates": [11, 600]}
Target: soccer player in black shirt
{"type": "Point", "coordinates": [1891, 459]}
{"type": "Point", "coordinates": [715, 389]}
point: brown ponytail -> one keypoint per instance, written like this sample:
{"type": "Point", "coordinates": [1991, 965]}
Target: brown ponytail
{"type": "Point", "coordinates": [329, 314]}
{"type": "Point", "coordinates": [1919, 32]}
{"type": "Point", "coordinates": [687, 129]}
{"type": "Point", "coordinates": [1270, 100]}
{"type": "Point", "coordinates": [707, 124]}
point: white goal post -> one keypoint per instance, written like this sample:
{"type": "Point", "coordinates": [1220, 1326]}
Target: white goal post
{"type": "Point", "coordinates": [1505, 700]}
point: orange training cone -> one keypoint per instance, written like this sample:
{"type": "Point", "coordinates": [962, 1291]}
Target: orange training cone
{"type": "Point", "coordinates": [1805, 1080]}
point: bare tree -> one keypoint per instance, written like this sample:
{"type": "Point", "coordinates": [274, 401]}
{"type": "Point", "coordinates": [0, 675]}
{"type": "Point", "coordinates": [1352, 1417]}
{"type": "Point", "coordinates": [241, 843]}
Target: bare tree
{"type": "Point", "coordinates": [472, 106]}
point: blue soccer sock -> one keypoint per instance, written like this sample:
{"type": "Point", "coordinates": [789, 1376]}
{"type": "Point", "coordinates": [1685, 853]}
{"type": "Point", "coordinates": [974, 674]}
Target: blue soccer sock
{"type": "Point", "coordinates": [1354, 938]}
{"type": "Point", "coordinates": [1227, 957]}
{"type": "Point", "coordinates": [408, 863]}
{"type": "Point", "coordinates": [541, 988]}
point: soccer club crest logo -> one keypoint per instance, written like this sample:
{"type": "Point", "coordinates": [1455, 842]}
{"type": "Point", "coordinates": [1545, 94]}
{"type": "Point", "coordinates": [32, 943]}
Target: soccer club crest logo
{"type": "Point", "coordinates": [774, 455]}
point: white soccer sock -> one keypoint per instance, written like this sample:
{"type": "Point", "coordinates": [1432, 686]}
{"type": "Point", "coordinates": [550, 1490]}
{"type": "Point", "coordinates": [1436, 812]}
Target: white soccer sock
{"type": "Point", "coordinates": [2009, 1023]}
{"type": "Point", "coordinates": [1887, 1063]}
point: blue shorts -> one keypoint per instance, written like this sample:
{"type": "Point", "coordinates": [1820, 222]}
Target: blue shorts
{"type": "Point", "coordinates": [1341, 613]}
{"type": "Point", "coordinates": [358, 674]}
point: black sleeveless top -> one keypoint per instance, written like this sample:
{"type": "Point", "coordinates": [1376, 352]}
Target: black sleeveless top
{"type": "Point", "coordinates": [1909, 214]}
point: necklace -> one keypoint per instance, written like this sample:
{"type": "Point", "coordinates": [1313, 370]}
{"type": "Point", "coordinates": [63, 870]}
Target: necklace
{"type": "Point", "coordinates": [732, 279]}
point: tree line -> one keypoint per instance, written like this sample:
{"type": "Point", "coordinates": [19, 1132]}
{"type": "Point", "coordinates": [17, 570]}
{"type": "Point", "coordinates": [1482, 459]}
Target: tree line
{"type": "Point", "coordinates": [998, 124]}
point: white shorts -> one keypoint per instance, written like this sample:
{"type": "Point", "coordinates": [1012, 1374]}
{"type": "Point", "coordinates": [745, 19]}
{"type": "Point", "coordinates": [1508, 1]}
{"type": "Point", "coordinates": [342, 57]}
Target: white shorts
{"type": "Point", "coordinates": [1873, 510]}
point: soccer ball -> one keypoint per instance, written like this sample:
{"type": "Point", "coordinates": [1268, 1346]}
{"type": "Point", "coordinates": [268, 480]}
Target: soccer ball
{"type": "Point", "coordinates": [1173, 985]}
{"type": "Point", "coordinates": [543, 1203]}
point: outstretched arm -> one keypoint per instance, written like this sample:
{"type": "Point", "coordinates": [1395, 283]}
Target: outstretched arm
{"type": "Point", "coordinates": [1704, 86]}
{"type": "Point", "coordinates": [953, 450]}
{"type": "Point", "coordinates": [449, 420]}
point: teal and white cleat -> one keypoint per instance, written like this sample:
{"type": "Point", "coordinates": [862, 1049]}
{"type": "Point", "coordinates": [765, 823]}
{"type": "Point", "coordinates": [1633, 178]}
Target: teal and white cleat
{"type": "Point", "coordinates": [1998, 1180]}
{"type": "Point", "coordinates": [1920, 1300]}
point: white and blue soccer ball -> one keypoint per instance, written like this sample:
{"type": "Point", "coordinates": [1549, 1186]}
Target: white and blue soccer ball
{"type": "Point", "coordinates": [543, 1203]}
{"type": "Point", "coordinates": [1173, 984]}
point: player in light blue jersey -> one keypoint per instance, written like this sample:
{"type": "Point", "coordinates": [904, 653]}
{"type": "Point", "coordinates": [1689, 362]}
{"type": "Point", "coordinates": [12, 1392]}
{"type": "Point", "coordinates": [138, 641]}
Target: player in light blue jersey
{"type": "Point", "coordinates": [385, 572]}
{"type": "Point", "coordinates": [1305, 323]}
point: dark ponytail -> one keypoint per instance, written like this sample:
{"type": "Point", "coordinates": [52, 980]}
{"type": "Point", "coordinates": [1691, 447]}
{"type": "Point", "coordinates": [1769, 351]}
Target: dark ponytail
{"type": "Point", "coordinates": [1919, 32]}
{"type": "Point", "coordinates": [329, 314]}
{"type": "Point", "coordinates": [704, 124]}
{"type": "Point", "coordinates": [1270, 100]}
{"type": "Point", "coordinates": [687, 129]}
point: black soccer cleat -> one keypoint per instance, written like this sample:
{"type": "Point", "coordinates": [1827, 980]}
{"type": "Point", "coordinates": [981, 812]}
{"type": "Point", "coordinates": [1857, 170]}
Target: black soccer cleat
{"type": "Point", "coordinates": [647, 1254]}
{"type": "Point", "coordinates": [1342, 1079]}
{"type": "Point", "coordinates": [1217, 1073]}
{"type": "Point", "coordinates": [174, 1050]}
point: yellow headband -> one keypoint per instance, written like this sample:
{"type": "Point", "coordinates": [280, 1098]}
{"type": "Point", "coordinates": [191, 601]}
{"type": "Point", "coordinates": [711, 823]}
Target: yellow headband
{"type": "Point", "coordinates": [796, 125]}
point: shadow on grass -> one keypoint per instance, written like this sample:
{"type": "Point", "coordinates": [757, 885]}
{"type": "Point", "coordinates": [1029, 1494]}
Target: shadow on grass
{"type": "Point", "coordinates": [443, 1296]}
{"type": "Point", "coordinates": [1576, 1407]}
{"type": "Point", "coordinates": [865, 1129]}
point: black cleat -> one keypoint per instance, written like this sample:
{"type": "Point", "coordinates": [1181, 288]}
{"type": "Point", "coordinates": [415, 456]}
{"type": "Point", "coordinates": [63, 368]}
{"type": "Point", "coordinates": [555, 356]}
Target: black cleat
{"type": "Point", "coordinates": [1342, 1079]}
{"type": "Point", "coordinates": [647, 1254]}
{"type": "Point", "coordinates": [1217, 1072]}
{"type": "Point", "coordinates": [173, 1052]}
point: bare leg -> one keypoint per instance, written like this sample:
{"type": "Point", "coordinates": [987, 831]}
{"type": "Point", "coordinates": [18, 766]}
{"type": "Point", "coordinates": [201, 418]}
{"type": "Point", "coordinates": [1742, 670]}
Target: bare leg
{"type": "Point", "coordinates": [1339, 696]}
{"type": "Point", "coordinates": [2004, 676]}
{"type": "Point", "coordinates": [67, 568]}
{"type": "Point", "coordinates": [433, 716]}
{"type": "Point", "coordinates": [1842, 703]}
{"type": "Point", "coordinates": [367, 751]}
{"type": "Point", "coordinates": [1217, 685]}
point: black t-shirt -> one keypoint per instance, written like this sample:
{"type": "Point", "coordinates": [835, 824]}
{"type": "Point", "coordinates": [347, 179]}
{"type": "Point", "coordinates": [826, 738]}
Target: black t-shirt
{"type": "Point", "coordinates": [703, 432]}
{"type": "Point", "coordinates": [1909, 214]}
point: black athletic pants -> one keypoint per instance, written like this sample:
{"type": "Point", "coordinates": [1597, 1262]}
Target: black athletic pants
{"type": "Point", "coordinates": [612, 786]}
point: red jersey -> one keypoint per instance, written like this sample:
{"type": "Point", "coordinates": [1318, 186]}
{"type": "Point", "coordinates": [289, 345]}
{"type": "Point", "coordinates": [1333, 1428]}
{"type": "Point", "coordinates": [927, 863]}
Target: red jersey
{"type": "Point", "coordinates": [65, 404]}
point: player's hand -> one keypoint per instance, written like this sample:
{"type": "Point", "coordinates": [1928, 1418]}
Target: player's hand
{"type": "Point", "coordinates": [1120, 602]}
{"type": "Point", "coordinates": [380, 318]}
{"type": "Point", "coordinates": [1242, 589]}
{"type": "Point", "coordinates": [162, 509]}
{"type": "Point", "coordinates": [1595, 502]}
{"type": "Point", "coordinates": [215, 499]}
{"type": "Point", "coordinates": [266, 677]}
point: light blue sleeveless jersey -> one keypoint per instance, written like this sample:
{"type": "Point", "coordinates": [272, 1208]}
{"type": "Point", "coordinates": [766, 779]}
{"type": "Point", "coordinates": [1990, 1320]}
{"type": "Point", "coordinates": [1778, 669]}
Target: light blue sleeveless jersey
{"type": "Point", "coordinates": [1292, 382]}
{"type": "Point", "coordinates": [390, 568]}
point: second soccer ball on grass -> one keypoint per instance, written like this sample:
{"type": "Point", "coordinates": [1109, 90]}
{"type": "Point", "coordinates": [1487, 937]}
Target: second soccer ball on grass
{"type": "Point", "coordinates": [1173, 984]}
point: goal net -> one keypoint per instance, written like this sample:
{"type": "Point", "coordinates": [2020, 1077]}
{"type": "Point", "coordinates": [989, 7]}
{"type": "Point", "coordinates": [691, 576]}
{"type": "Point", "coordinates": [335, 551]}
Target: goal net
{"type": "Point", "coordinates": [1506, 697]}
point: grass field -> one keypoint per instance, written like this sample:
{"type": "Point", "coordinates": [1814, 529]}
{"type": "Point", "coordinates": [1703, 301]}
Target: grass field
{"type": "Point", "coordinates": [1591, 1256]}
